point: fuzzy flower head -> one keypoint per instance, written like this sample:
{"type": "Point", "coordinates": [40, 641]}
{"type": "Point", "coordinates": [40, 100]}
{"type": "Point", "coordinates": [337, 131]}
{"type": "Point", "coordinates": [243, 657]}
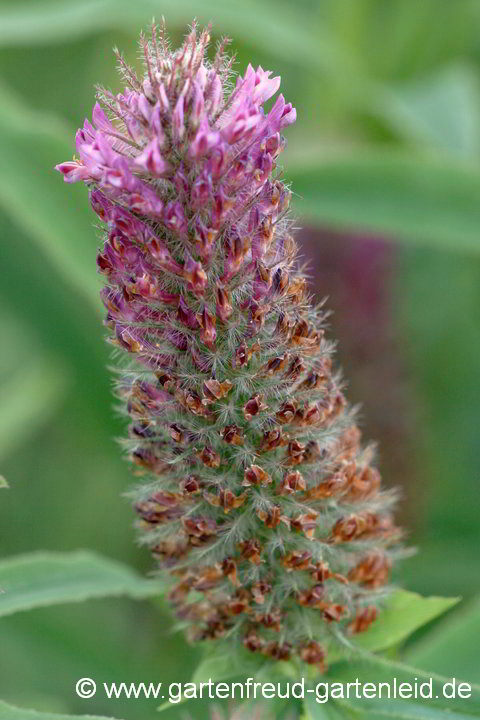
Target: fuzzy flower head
{"type": "Point", "coordinates": [258, 498]}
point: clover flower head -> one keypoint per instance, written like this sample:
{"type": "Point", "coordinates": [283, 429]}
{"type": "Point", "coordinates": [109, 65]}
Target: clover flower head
{"type": "Point", "coordinates": [258, 499]}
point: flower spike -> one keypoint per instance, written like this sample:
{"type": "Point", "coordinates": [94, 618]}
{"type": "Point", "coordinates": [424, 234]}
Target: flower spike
{"type": "Point", "coordinates": [259, 495]}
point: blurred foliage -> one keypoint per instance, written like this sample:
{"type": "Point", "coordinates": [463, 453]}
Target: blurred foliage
{"type": "Point", "coordinates": [387, 140]}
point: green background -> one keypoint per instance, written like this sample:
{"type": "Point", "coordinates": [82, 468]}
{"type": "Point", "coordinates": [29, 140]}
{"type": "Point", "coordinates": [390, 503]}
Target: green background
{"type": "Point", "coordinates": [384, 160]}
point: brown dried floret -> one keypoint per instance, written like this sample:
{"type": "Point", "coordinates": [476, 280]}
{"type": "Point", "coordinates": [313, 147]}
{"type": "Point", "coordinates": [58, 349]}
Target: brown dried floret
{"type": "Point", "coordinates": [372, 571]}
{"type": "Point", "coordinates": [253, 406]}
{"type": "Point", "coordinates": [334, 612]}
{"type": "Point", "coordinates": [297, 560]}
{"type": "Point", "coordinates": [306, 523]}
{"type": "Point", "coordinates": [364, 525]}
{"type": "Point", "coordinates": [225, 499]}
{"type": "Point", "coordinates": [292, 482]}
{"type": "Point", "coordinates": [296, 368]}
{"type": "Point", "coordinates": [192, 402]}
{"type": "Point", "coordinates": [313, 452]}
{"type": "Point", "coordinates": [215, 629]}
{"type": "Point", "coordinates": [271, 440]}
{"type": "Point", "coordinates": [363, 484]}
{"type": "Point", "coordinates": [271, 620]}
{"type": "Point", "coordinates": [295, 453]}
{"type": "Point", "coordinates": [274, 365]}
{"type": "Point", "coordinates": [240, 603]}
{"type": "Point", "coordinates": [243, 354]}
{"type": "Point", "coordinates": [232, 434]}
{"type": "Point", "coordinates": [209, 457]}
{"type": "Point", "coordinates": [313, 654]}
{"type": "Point", "coordinates": [206, 578]}
{"type": "Point", "coordinates": [314, 380]}
{"type": "Point", "coordinates": [296, 289]}
{"type": "Point", "coordinates": [199, 529]}
{"type": "Point", "coordinates": [284, 324]}
{"type": "Point", "coordinates": [191, 485]}
{"type": "Point", "coordinates": [286, 413]}
{"type": "Point", "coordinates": [146, 459]}
{"type": "Point", "coordinates": [224, 307]}
{"type": "Point", "coordinates": [332, 407]}
{"type": "Point", "coordinates": [257, 314]}
{"type": "Point", "coordinates": [332, 486]}
{"type": "Point", "coordinates": [215, 390]}
{"type": "Point", "coordinates": [313, 597]}
{"type": "Point", "coordinates": [278, 651]}
{"type": "Point", "coordinates": [253, 642]}
{"type": "Point", "coordinates": [321, 572]}
{"type": "Point", "coordinates": [171, 549]}
{"type": "Point", "coordinates": [348, 444]}
{"type": "Point", "coordinates": [207, 323]}
{"type": "Point", "coordinates": [160, 508]}
{"type": "Point", "coordinates": [272, 517]}
{"type": "Point", "coordinates": [259, 590]}
{"type": "Point", "coordinates": [306, 337]}
{"type": "Point", "coordinates": [251, 550]}
{"type": "Point", "coordinates": [165, 380]}
{"type": "Point", "coordinates": [255, 475]}
{"type": "Point", "coordinates": [229, 569]}
{"type": "Point", "coordinates": [176, 433]}
{"type": "Point", "coordinates": [307, 416]}
{"type": "Point", "coordinates": [363, 619]}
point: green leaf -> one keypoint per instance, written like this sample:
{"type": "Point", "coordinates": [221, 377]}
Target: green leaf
{"type": "Point", "coordinates": [376, 669]}
{"type": "Point", "coordinates": [221, 664]}
{"type": "Point", "coordinates": [321, 711]}
{"type": "Point", "coordinates": [452, 647]}
{"type": "Point", "coordinates": [3, 483]}
{"type": "Point", "coordinates": [404, 613]}
{"type": "Point", "coordinates": [400, 710]}
{"type": "Point", "coordinates": [9, 712]}
{"type": "Point", "coordinates": [35, 197]}
{"type": "Point", "coordinates": [376, 708]}
{"type": "Point", "coordinates": [419, 200]}
{"type": "Point", "coordinates": [224, 664]}
{"type": "Point", "coordinates": [40, 579]}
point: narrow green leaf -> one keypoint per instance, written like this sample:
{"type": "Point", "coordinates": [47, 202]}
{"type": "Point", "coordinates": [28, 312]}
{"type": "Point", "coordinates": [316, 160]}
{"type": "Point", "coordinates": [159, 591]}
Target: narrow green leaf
{"type": "Point", "coordinates": [452, 646]}
{"type": "Point", "coordinates": [9, 712]}
{"type": "Point", "coordinates": [40, 579]}
{"type": "Point", "coordinates": [419, 200]}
